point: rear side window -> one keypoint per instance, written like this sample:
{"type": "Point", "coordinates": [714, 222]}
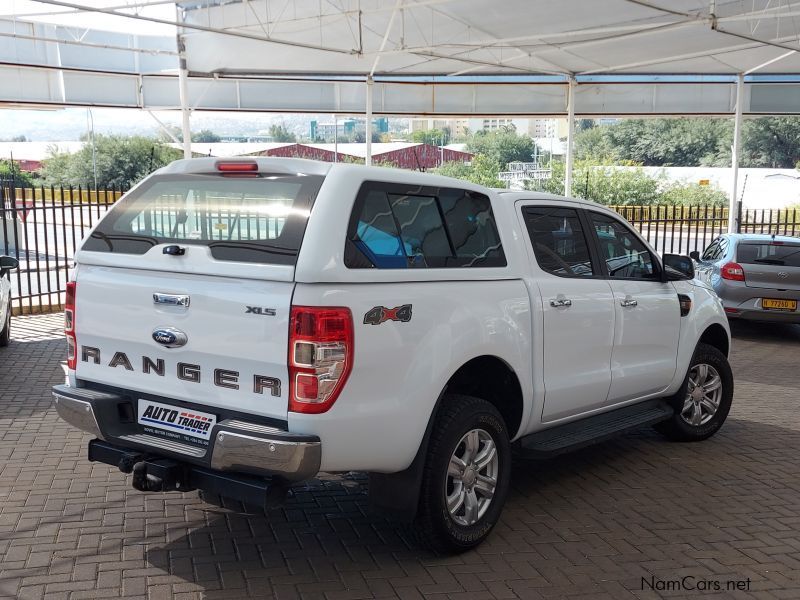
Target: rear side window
{"type": "Point", "coordinates": [397, 227]}
{"type": "Point", "coordinates": [559, 241]}
{"type": "Point", "coordinates": [259, 219]}
{"type": "Point", "coordinates": [769, 253]}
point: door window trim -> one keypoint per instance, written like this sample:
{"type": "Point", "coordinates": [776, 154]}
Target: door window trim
{"type": "Point", "coordinates": [654, 258]}
{"type": "Point", "coordinates": [590, 248]}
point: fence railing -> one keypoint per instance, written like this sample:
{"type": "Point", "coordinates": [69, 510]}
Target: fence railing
{"type": "Point", "coordinates": [42, 227]}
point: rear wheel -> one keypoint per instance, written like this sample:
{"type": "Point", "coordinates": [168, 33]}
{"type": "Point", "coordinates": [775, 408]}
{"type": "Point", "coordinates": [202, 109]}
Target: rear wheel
{"type": "Point", "coordinates": [704, 400]}
{"type": "Point", "coordinates": [466, 476]}
{"type": "Point", "coordinates": [5, 333]}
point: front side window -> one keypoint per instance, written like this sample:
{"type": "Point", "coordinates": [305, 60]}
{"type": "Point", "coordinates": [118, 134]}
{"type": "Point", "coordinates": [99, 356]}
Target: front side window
{"type": "Point", "coordinates": [625, 255]}
{"type": "Point", "coordinates": [394, 227]}
{"type": "Point", "coordinates": [559, 241]}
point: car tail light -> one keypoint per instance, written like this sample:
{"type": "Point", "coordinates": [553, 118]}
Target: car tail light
{"type": "Point", "coordinates": [238, 169]}
{"type": "Point", "coordinates": [69, 325]}
{"type": "Point", "coordinates": [320, 356]}
{"type": "Point", "coordinates": [732, 271]}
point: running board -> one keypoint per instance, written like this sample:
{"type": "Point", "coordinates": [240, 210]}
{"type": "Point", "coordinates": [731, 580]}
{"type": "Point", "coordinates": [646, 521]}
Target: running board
{"type": "Point", "coordinates": [591, 430]}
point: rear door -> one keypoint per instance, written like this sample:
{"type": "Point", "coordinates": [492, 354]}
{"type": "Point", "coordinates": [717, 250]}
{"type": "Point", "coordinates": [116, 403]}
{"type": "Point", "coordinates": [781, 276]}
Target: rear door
{"type": "Point", "coordinates": [578, 312]}
{"type": "Point", "coordinates": [184, 290]}
{"type": "Point", "coordinates": [647, 324]}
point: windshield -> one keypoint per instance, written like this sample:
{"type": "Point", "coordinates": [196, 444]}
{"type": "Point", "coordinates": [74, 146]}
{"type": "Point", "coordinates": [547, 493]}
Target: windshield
{"type": "Point", "coordinates": [258, 219]}
{"type": "Point", "coordinates": [769, 253]}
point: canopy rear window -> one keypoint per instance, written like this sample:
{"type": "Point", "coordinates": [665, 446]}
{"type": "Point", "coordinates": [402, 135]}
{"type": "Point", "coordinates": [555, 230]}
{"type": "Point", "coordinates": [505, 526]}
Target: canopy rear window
{"type": "Point", "coordinates": [254, 219]}
{"type": "Point", "coordinates": [769, 253]}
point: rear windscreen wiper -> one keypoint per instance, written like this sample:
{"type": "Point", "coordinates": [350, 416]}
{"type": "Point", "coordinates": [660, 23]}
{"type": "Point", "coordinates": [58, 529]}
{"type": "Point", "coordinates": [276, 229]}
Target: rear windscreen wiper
{"type": "Point", "coordinates": [769, 261]}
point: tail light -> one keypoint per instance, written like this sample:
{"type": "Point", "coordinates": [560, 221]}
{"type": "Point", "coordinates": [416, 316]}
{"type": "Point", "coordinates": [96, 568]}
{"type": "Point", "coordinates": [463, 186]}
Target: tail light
{"type": "Point", "coordinates": [69, 325]}
{"type": "Point", "coordinates": [320, 356]}
{"type": "Point", "coordinates": [732, 271]}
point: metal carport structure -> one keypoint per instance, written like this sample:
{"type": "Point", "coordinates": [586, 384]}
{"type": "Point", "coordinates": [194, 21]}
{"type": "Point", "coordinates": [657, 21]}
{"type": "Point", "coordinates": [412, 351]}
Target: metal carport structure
{"type": "Point", "coordinates": [404, 57]}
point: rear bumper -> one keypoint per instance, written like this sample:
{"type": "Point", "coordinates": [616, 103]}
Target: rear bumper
{"type": "Point", "coordinates": [235, 446]}
{"type": "Point", "coordinates": [771, 316]}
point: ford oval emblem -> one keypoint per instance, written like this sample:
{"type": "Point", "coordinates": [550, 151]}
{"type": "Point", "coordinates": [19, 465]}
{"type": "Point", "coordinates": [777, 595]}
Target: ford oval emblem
{"type": "Point", "coordinates": [169, 337]}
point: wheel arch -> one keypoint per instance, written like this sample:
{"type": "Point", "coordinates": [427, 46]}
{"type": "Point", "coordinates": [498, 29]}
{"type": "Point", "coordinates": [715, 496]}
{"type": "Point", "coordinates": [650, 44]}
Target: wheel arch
{"type": "Point", "coordinates": [399, 492]}
{"type": "Point", "coordinates": [715, 335]}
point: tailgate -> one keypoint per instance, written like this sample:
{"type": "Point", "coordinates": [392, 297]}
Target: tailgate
{"type": "Point", "coordinates": [774, 265]}
{"type": "Point", "coordinates": [234, 330]}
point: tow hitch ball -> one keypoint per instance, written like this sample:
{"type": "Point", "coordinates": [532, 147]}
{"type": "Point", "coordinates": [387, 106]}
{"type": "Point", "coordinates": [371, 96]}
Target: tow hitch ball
{"type": "Point", "coordinates": [155, 475]}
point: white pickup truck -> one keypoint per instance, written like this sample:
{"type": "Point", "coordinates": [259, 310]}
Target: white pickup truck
{"type": "Point", "coordinates": [238, 325]}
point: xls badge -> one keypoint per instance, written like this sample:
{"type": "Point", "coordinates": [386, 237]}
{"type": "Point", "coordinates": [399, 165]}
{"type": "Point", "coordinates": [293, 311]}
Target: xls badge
{"type": "Point", "coordinates": [381, 314]}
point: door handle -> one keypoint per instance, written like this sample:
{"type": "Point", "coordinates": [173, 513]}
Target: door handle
{"type": "Point", "coordinates": [560, 301]}
{"type": "Point", "coordinates": [628, 301]}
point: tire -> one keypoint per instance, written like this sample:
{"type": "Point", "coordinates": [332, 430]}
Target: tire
{"type": "Point", "coordinates": [694, 419]}
{"type": "Point", "coordinates": [466, 427]}
{"type": "Point", "coordinates": [5, 333]}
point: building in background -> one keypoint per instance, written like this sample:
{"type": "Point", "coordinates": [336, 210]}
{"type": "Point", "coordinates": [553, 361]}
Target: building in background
{"type": "Point", "coordinates": [345, 128]}
{"type": "Point", "coordinates": [458, 127]}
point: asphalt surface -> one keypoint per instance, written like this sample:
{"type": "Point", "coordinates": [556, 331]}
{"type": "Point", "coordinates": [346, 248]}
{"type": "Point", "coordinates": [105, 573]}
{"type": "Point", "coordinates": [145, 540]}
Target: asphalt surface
{"type": "Point", "coordinates": [637, 517]}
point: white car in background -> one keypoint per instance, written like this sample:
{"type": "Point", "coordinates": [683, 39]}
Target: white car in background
{"type": "Point", "coordinates": [7, 264]}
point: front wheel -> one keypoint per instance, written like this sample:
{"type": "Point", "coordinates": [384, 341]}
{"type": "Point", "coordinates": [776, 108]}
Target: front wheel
{"type": "Point", "coordinates": [466, 476]}
{"type": "Point", "coordinates": [704, 400]}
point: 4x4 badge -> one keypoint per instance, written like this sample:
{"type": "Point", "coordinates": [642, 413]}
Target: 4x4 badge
{"type": "Point", "coordinates": [381, 314]}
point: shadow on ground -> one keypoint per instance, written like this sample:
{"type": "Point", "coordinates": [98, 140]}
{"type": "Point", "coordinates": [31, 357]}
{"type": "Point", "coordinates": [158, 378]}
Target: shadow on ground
{"type": "Point", "coordinates": [602, 517]}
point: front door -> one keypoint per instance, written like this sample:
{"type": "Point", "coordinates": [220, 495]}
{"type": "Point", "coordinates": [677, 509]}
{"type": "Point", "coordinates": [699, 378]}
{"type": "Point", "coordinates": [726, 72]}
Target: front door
{"type": "Point", "coordinates": [578, 313]}
{"type": "Point", "coordinates": [648, 316]}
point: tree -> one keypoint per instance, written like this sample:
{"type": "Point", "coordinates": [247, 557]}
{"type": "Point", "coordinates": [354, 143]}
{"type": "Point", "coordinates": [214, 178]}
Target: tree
{"type": "Point", "coordinates": [360, 137]}
{"type": "Point", "coordinates": [629, 185]}
{"type": "Point", "coordinates": [121, 162]}
{"type": "Point", "coordinates": [206, 136]}
{"type": "Point", "coordinates": [502, 146]}
{"type": "Point", "coordinates": [9, 172]}
{"type": "Point", "coordinates": [771, 142]}
{"type": "Point", "coordinates": [434, 137]}
{"type": "Point", "coordinates": [280, 133]}
{"type": "Point", "coordinates": [482, 170]}
{"type": "Point", "coordinates": [659, 142]}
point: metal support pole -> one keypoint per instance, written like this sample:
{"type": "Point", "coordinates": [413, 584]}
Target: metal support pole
{"type": "Point", "coordinates": [183, 89]}
{"type": "Point", "coordinates": [733, 224]}
{"type": "Point", "coordinates": [368, 125]}
{"type": "Point", "coordinates": [570, 137]}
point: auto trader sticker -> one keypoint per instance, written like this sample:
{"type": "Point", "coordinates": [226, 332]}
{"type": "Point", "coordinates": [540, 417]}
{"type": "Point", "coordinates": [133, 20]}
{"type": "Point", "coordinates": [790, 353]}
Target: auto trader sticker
{"type": "Point", "coordinates": [181, 423]}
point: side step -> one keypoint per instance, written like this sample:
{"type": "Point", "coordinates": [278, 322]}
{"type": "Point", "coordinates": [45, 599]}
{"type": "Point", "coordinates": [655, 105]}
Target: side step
{"type": "Point", "coordinates": [591, 430]}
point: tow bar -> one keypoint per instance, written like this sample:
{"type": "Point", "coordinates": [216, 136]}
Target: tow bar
{"type": "Point", "coordinates": [152, 473]}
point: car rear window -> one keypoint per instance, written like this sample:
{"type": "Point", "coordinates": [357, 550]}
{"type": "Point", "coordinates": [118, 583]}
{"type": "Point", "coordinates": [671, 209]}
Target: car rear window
{"type": "Point", "coordinates": [769, 253]}
{"type": "Point", "coordinates": [255, 219]}
{"type": "Point", "coordinates": [394, 226]}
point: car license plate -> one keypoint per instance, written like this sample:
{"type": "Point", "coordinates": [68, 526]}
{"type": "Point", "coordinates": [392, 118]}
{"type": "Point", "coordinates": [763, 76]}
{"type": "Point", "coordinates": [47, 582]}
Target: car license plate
{"type": "Point", "coordinates": [774, 304]}
{"type": "Point", "coordinates": [176, 422]}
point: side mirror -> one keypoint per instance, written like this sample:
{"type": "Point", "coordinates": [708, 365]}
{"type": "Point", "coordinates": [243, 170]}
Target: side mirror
{"type": "Point", "coordinates": [7, 263]}
{"type": "Point", "coordinates": [677, 267]}
{"type": "Point", "coordinates": [694, 255]}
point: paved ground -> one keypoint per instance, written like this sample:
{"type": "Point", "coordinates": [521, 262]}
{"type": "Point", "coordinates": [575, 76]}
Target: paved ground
{"type": "Point", "coordinates": [606, 522]}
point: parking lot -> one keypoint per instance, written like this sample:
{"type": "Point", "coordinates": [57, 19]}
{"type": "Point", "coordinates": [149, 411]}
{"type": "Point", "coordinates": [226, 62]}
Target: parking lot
{"type": "Point", "coordinates": [612, 521]}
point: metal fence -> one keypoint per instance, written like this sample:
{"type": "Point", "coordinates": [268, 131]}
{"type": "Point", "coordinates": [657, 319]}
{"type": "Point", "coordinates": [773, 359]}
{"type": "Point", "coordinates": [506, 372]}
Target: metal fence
{"type": "Point", "coordinates": [42, 227]}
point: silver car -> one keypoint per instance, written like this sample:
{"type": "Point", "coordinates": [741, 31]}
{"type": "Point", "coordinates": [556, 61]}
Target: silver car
{"type": "Point", "coordinates": [756, 276]}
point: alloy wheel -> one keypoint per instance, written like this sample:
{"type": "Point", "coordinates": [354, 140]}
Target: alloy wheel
{"type": "Point", "coordinates": [472, 477]}
{"type": "Point", "coordinates": [702, 396]}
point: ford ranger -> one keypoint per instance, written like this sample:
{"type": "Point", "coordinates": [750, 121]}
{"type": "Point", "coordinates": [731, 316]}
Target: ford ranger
{"type": "Point", "coordinates": [238, 325]}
